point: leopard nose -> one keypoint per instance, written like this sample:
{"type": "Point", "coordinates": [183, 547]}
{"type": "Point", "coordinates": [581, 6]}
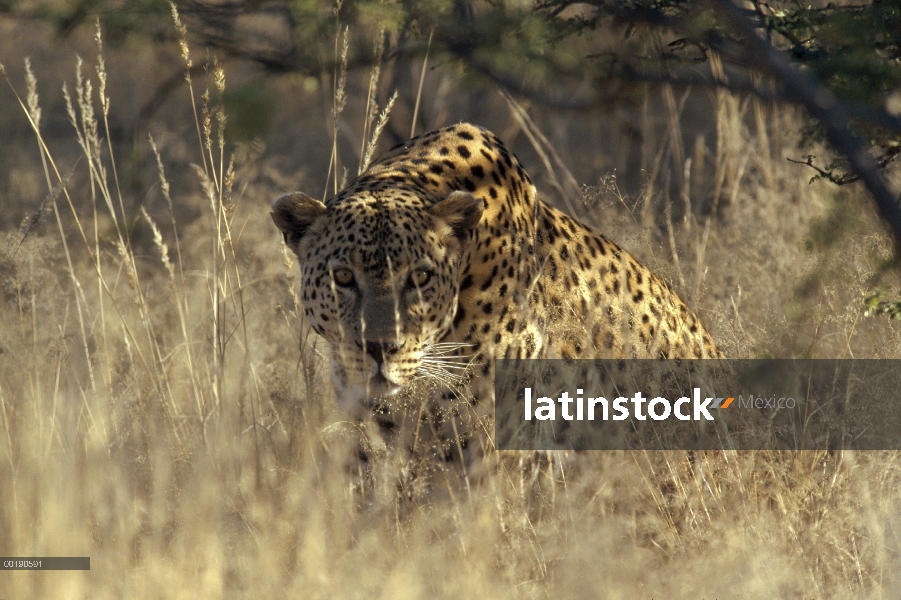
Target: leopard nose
{"type": "Point", "coordinates": [379, 351]}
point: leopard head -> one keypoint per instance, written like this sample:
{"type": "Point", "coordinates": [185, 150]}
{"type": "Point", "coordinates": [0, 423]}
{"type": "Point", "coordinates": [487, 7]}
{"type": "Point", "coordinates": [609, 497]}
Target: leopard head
{"type": "Point", "coordinates": [380, 279]}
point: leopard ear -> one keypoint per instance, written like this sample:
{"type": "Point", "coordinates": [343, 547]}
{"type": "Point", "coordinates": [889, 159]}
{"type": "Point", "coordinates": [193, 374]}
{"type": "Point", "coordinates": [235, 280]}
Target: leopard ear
{"type": "Point", "coordinates": [462, 211]}
{"type": "Point", "coordinates": [294, 213]}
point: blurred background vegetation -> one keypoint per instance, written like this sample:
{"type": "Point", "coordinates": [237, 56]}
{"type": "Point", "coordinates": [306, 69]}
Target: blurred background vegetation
{"type": "Point", "coordinates": [557, 54]}
{"type": "Point", "coordinates": [165, 409]}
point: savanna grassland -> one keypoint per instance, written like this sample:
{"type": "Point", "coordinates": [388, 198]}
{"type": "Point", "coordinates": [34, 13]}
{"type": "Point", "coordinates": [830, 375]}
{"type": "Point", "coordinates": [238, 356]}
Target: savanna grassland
{"type": "Point", "coordinates": [165, 409]}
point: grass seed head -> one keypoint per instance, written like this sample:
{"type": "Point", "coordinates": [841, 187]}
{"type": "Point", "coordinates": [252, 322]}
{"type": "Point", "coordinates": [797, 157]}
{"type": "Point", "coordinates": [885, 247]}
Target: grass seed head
{"type": "Point", "coordinates": [31, 97]}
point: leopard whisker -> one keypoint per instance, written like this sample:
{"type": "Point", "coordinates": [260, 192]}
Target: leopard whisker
{"type": "Point", "coordinates": [448, 345]}
{"type": "Point", "coordinates": [440, 374]}
{"type": "Point", "coordinates": [448, 353]}
{"type": "Point", "coordinates": [448, 363]}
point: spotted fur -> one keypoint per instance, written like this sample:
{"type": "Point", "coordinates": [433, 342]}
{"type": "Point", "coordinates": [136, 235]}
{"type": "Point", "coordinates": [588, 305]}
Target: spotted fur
{"type": "Point", "coordinates": [443, 244]}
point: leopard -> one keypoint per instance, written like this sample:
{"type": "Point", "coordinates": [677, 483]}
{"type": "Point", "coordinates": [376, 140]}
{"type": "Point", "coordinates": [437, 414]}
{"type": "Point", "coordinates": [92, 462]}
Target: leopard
{"type": "Point", "coordinates": [442, 257]}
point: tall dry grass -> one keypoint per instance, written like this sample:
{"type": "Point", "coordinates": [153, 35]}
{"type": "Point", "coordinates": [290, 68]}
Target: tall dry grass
{"type": "Point", "coordinates": [165, 410]}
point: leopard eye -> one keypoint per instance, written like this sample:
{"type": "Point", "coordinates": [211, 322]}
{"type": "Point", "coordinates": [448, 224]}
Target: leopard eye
{"type": "Point", "coordinates": [343, 277]}
{"type": "Point", "coordinates": [419, 278]}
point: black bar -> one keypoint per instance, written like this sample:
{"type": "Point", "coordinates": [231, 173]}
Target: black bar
{"type": "Point", "coordinates": [45, 563]}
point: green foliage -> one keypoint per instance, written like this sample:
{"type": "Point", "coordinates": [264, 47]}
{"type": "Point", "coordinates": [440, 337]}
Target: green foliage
{"type": "Point", "coordinates": [877, 305]}
{"type": "Point", "coordinates": [853, 49]}
{"type": "Point", "coordinates": [249, 109]}
{"type": "Point", "coordinates": [856, 52]}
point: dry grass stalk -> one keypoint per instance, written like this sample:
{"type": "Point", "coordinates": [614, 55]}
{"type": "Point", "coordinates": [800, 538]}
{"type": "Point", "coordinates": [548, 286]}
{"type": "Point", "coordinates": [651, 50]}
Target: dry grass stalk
{"type": "Point", "coordinates": [339, 101]}
{"type": "Point", "coordinates": [33, 218]}
{"type": "Point", "coordinates": [546, 152]}
{"type": "Point", "coordinates": [383, 120]}
{"type": "Point", "coordinates": [425, 64]}
{"type": "Point", "coordinates": [372, 107]}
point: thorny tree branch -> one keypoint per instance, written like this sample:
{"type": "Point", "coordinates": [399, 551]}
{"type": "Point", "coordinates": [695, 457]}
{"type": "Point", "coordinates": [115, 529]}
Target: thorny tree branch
{"type": "Point", "coordinates": [844, 178]}
{"type": "Point", "coordinates": [822, 104]}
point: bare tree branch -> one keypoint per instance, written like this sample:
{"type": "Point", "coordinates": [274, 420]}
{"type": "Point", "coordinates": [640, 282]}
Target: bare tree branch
{"type": "Point", "coordinates": [844, 178]}
{"type": "Point", "coordinates": [822, 104]}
